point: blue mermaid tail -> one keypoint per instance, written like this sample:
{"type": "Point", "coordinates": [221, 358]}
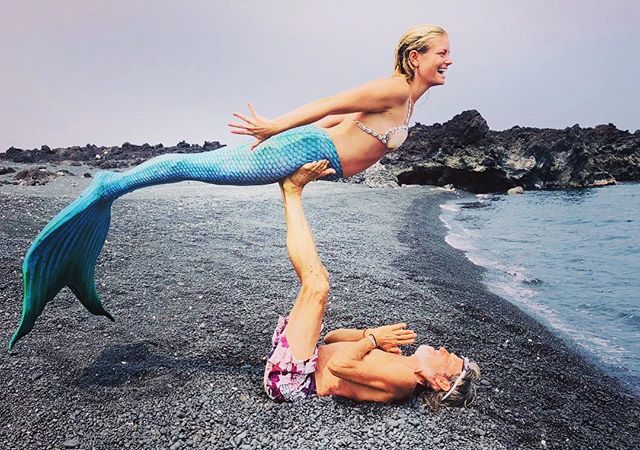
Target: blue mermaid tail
{"type": "Point", "coordinates": [66, 250]}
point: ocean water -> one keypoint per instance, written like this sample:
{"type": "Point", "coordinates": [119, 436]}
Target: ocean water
{"type": "Point", "coordinates": [569, 258]}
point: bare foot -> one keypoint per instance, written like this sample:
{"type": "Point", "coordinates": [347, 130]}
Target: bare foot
{"type": "Point", "coordinates": [305, 174]}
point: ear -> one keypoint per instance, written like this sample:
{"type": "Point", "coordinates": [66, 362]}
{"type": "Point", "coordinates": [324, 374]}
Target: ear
{"type": "Point", "coordinates": [414, 54]}
{"type": "Point", "coordinates": [420, 378]}
{"type": "Point", "coordinates": [442, 383]}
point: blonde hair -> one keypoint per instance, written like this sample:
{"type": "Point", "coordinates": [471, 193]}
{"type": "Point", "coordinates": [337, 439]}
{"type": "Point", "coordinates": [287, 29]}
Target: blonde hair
{"type": "Point", "coordinates": [463, 395]}
{"type": "Point", "coordinates": [418, 38]}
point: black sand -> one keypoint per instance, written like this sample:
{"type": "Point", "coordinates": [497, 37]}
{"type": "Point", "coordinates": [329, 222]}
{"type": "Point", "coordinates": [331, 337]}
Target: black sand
{"type": "Point", "coordinates": [196, 276]}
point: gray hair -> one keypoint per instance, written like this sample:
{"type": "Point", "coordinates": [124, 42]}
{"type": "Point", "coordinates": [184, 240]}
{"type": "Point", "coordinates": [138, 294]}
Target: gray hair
{"type": "Point", "coordinates": [463, 395]}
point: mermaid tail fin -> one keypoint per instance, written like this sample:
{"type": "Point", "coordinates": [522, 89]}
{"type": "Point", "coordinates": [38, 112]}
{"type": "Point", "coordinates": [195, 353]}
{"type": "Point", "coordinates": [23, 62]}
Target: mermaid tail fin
{"type": "Point", "coordinates": [65, 254]}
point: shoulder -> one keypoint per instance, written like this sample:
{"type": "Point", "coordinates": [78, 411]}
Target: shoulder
{"type": "Point", "coordinates": [393, 87]}
{"type": "Point", "coordinates": [373, 96]}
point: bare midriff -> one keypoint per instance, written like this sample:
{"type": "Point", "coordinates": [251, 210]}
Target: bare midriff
{"type": "Point", "coordinates": [358, 150]}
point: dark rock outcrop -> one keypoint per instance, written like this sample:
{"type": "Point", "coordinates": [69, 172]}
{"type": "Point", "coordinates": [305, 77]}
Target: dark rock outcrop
{"type": "Point", "coordinates": [35, 176]}
{"type": "Point", "coordinates": [103, 157]}
{"type": "Point", "coordinates": [18, 156]}
{"type": "Point", "coordinates": [465, 153]}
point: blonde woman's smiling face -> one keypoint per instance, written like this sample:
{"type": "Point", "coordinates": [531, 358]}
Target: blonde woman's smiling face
{"type": "Point", "coordinates": [432, 65]}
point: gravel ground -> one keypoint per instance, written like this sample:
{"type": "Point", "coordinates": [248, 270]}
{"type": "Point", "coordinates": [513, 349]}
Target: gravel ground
{"type": "Point", "coordinates": [196, 276]}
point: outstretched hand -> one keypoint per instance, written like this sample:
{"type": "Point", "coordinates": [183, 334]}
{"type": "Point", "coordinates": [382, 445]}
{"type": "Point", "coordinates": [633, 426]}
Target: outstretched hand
{"type": "Point", "coordinates": [256, 126]}
{"type": "Point", "coordinates": [391, 337]}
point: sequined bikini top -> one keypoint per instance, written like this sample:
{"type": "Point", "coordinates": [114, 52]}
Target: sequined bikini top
{"type": "Point", "coordinates": [395, 136]}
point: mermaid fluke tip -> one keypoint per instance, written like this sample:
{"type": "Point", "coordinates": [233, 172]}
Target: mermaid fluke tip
{"type": "Point", "coordinates": [65, 254]}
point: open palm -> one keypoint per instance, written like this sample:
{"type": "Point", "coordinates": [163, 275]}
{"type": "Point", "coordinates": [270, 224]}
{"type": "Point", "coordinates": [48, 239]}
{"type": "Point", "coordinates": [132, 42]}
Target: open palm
{"type": "Point", "coordinates": [256, 126]}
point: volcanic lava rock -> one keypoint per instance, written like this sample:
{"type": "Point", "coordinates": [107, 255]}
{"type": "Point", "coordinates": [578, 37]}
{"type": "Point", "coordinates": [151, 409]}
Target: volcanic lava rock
{"type": "Point", "coordinates": [126, 155]}
{"type": "Point", "coordinates": [35, 176]}
{"type": "Point", "coordinates": [465, 153]}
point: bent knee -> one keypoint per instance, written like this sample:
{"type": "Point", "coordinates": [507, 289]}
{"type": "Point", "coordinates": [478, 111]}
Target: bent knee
{"type": "Point", "coordinates": [316, 285]}
{"type": "Point", "coordinates": [324, 272]}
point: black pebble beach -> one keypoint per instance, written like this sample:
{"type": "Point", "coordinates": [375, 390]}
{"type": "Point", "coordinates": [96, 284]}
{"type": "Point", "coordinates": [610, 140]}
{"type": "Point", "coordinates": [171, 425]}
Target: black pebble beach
{"type": "Point", "coordinates": [196, 276]}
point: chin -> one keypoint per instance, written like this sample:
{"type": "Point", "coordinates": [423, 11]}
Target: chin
{"type": "Point", "coordinates": [437, 82]}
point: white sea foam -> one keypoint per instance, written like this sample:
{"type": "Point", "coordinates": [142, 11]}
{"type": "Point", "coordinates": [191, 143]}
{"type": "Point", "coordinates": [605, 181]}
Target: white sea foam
{"type": "Point", "coordinates": [459, 241]}
{"type": "Point", "coordinates": [480, 260]}
{"type": "Point", "coordinates": [447, 223]}
{"type": "Point", "coordinates": [516, 292]}
{"type": "Point", "coordinates": [452, 207]}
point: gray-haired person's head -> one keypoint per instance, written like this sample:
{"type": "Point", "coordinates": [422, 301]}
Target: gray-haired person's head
{"type": "Point", "coordinates": [461, 394]}
{"type": "Point", "coordinates": [444, 378]}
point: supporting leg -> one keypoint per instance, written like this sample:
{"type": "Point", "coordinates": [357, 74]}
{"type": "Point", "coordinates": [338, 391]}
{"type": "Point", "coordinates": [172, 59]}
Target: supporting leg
{"type": "Point", "coordinates": [305, 318]}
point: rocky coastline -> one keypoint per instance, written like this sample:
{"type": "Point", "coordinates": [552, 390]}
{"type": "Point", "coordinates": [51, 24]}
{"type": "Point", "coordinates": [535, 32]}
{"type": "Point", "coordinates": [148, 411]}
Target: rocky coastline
{"type": "Point", "coordinates": [462, 153]}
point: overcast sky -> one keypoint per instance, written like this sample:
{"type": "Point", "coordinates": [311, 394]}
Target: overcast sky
{"type": "Point", "coordinates": [108, 71]}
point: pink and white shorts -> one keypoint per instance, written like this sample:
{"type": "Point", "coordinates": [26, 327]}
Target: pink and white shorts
{"type": "Point", "coordinates": [287, 379]}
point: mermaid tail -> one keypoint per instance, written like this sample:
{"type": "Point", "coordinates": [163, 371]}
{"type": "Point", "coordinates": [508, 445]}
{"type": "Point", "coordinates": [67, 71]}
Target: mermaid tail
{"type": "Point", "coordinates": [66, 250]}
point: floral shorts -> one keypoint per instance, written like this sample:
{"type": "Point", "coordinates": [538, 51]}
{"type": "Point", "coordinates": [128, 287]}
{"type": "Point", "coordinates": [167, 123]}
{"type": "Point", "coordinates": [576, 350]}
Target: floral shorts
{"type": "Point", "coordinates": [287, 379]}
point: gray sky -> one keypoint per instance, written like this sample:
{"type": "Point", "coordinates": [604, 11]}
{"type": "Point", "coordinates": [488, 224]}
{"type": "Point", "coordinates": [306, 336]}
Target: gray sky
{"type": "Point", "coordinates": [108, 71]}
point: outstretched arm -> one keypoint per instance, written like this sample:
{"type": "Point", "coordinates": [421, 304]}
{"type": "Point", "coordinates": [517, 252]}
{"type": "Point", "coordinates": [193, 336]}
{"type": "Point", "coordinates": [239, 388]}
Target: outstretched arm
{"type": "Point", "coordinates": [374, 96]}
{"type": "Point", "coordinates": [332, 120]}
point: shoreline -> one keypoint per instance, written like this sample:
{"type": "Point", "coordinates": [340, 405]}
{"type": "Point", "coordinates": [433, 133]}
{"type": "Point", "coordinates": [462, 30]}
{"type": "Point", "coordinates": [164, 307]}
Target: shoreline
{"type": "Point", "coordinates": [196, 275]}
{"type": "Point", "coordinates": [523, 280]}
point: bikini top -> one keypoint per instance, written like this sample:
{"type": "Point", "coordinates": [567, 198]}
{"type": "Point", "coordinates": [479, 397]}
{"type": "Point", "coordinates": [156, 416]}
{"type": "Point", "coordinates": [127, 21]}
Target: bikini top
{"type": "Point", "coordinates": [395, 136]}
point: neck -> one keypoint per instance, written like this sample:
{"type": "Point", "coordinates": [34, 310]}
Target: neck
{"type": "Point", "coordinates": [417, 89]}
{"type": "Point", "coordinates": [411, 361]}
